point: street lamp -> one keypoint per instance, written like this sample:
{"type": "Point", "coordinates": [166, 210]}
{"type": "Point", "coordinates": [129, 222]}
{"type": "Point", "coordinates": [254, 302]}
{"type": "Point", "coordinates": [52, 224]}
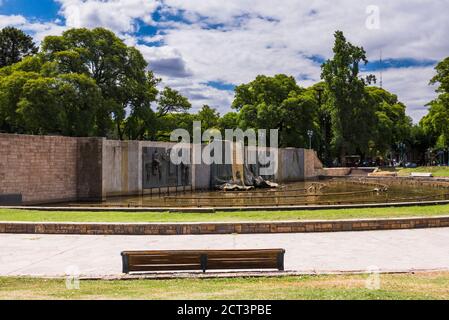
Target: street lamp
{"type": "Point", "coordinates": [310, 134]}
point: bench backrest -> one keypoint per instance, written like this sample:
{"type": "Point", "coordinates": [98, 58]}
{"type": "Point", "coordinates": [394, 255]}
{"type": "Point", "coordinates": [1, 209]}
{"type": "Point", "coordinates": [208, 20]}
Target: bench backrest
{"type": "Point", "coordinates": [147, 261]}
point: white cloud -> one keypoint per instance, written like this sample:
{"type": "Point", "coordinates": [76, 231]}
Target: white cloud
{"type": "Point", "coordinates": [251, 37]}
{"type": "Point", "coordinates": [39, 30]}
{"type": "Point", "coordinates": [117, 15]}
{"type": "Point", "coordinates": [412, 86]}
{"type": "Point", "coordinates": [15, 20]}
{"type": "Point", "coordinates": [260, 37]}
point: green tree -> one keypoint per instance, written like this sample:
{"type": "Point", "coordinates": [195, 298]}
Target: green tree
{"type": "Point", "coordinates": [171, 101]}
{"type": "Point", "coordinates": [64, 105]}
{"type": "Point", "coordinates": [392, 125]}
{"type": "Point", "coordinates": [228, 121]}
{"type": "Point", "coordinates": [118, 70]}
{"type": "Point", "coordinates": [277, 103]}
{"type": "Point", "coordinates": [436, 122]}
{"type": "Point", "coordinates": [36, 99]}
{"type": "Point", "coordinates": [11, 90]}
{"type": "Point", "coordinates": [173, 121]}
{"type": "Point", "coordinates": [89, 83]}
{"type": "Point", "coordinates": [14, 46]}
{"type": "Point", "coordinates": [442, 76]}
{"type": "Point", "coordinates": [352, 117]}
{"type": "Point", "coordinates": [209, 118]}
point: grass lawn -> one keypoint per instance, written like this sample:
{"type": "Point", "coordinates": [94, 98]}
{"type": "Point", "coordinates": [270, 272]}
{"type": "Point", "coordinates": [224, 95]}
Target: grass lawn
{"type": "Point", "coordinates": [436, 171]}
{"type": "Point", "coordinates": [44, 216]}
{"type": "Point", "coordinates": [403, 286]}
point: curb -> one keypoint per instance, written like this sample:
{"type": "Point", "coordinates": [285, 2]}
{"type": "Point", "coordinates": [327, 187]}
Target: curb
{"type": "Point", "coordinates": [265, 227]}
{"type": "Point", "coordinates": [228, 209]}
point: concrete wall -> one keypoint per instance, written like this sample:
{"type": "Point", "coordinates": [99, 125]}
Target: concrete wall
{"type": "Point", "coordinates": [298, 165]}
{"type": "Point", "coordinates": [123, 168]}
{"type": "Point", "coordinates": [50, 169]}
{"type": "Point", "coordinates": [291, 165]}
{"type": "Point", "coordinates": [201, 174]}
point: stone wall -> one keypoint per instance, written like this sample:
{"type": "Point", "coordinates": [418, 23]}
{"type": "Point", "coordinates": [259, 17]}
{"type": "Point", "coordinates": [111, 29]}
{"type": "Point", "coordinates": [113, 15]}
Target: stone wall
{"type": "Point", "coordinates": [222, 228]}
{"type": "Point", "coordinates": [49, 168]}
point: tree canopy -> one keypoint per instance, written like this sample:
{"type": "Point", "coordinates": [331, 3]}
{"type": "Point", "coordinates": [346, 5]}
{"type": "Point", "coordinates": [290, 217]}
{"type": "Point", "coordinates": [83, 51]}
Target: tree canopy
{"type": "Point", "coordinates": [14, 46]}
{"type": "Point", "coordinates": [277, 103]}
{"type": "Point", "coordinates": [90, 83]}
{"type": "Point", "coordinates": [352, 117]}
{"type": "Point", "coordinates": [436, 122]}
{"type": "Point", "coordinates": [85, 82]}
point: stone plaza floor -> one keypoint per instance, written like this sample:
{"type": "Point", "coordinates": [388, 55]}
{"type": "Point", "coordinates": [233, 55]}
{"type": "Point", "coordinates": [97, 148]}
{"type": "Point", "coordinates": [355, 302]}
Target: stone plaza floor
{"type": "Point", "coordinates": [92, 256]}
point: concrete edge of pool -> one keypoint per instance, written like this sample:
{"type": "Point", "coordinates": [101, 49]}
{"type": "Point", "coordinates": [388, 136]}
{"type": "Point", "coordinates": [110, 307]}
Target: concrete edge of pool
{"type": "Point", "coordinates": [227, 209]}
{"type": "Point", "coordinates": [214, 228]}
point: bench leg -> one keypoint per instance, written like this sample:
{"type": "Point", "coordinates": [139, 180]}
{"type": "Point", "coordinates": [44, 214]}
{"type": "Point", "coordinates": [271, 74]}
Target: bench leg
{"type": "Point", "coordinates": [204, 262]}
{"type": "Point", "coordinates": [125, 264]}
{"type": "Point", "coordinates": [281, 256]}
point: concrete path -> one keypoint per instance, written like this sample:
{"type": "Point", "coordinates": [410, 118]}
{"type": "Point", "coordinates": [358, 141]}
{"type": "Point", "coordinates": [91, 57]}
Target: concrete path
{"type": "Point", "coordinates": [405, 250]}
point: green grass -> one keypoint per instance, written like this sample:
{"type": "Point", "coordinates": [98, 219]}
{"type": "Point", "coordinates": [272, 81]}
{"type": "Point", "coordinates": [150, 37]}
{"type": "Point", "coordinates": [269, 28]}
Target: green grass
{"type": "Point", "coordinates": [436, 171]}
{"type": "Point", "coordinates": [45, 216]}
{"type": "Point", "coordinates": [404, 286]}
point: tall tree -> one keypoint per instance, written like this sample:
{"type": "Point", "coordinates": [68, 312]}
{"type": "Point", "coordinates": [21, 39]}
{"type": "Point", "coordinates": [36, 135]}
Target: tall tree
{"type": "Point", "coordinates": [436, 122]}
{"type": "Point", "coordinates": [392, 125]}
{"type": "Point", "coordinates": [14, 46]}
{"type": "Point", "coordinates": [172, 101]}
{"type": "Point", "coordinates": [119, 71]}
{"type": "Point", "coordinates": [351, 117]}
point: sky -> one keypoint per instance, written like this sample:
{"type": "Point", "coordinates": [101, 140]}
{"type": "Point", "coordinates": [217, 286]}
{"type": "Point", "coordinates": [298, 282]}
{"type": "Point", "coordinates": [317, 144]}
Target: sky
{"type": "Point", "coordinates": [205, 48]}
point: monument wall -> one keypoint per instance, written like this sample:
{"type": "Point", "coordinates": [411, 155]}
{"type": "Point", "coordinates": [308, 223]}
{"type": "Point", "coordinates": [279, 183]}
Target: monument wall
{"type": "Point", "coordinates": [47, 169]}
{"type": "Point", "coordinates": [298, 165]}
{"type": "Point", "coordinates": [123, 167]}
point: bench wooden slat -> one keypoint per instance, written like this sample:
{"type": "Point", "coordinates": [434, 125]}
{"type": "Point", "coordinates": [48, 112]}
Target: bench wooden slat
{"type": "Point", "coordinates": [242, 265]}
{"type": "Point", "coordinates": [154, 260]}
{"type": "Point", "coordinates": [172, 267]}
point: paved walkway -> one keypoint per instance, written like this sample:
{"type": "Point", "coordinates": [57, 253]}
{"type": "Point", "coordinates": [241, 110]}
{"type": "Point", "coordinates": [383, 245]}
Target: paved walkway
{"type": "Point", "coordinates": [45, 255]}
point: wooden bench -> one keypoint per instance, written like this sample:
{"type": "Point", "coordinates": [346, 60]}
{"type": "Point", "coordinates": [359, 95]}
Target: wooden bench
{"type": "Point", "coordinates": [148, 261]}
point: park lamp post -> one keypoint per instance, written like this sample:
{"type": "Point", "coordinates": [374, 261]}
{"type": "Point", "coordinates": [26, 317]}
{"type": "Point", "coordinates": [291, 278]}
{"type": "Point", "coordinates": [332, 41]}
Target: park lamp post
{"type": "Point", "coordinates": [310, 134]}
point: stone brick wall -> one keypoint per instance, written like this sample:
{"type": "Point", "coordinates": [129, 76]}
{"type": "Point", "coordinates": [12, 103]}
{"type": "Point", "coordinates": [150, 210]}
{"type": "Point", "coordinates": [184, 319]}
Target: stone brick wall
{"type": "Point", "coordinates": [48, 168]}
{"type": "Point", "coordinates": [222, 228]}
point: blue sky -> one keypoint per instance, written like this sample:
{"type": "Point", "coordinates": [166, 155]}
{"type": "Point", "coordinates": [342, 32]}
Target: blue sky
{"type": "Point", "coordinates": [205, 48]}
